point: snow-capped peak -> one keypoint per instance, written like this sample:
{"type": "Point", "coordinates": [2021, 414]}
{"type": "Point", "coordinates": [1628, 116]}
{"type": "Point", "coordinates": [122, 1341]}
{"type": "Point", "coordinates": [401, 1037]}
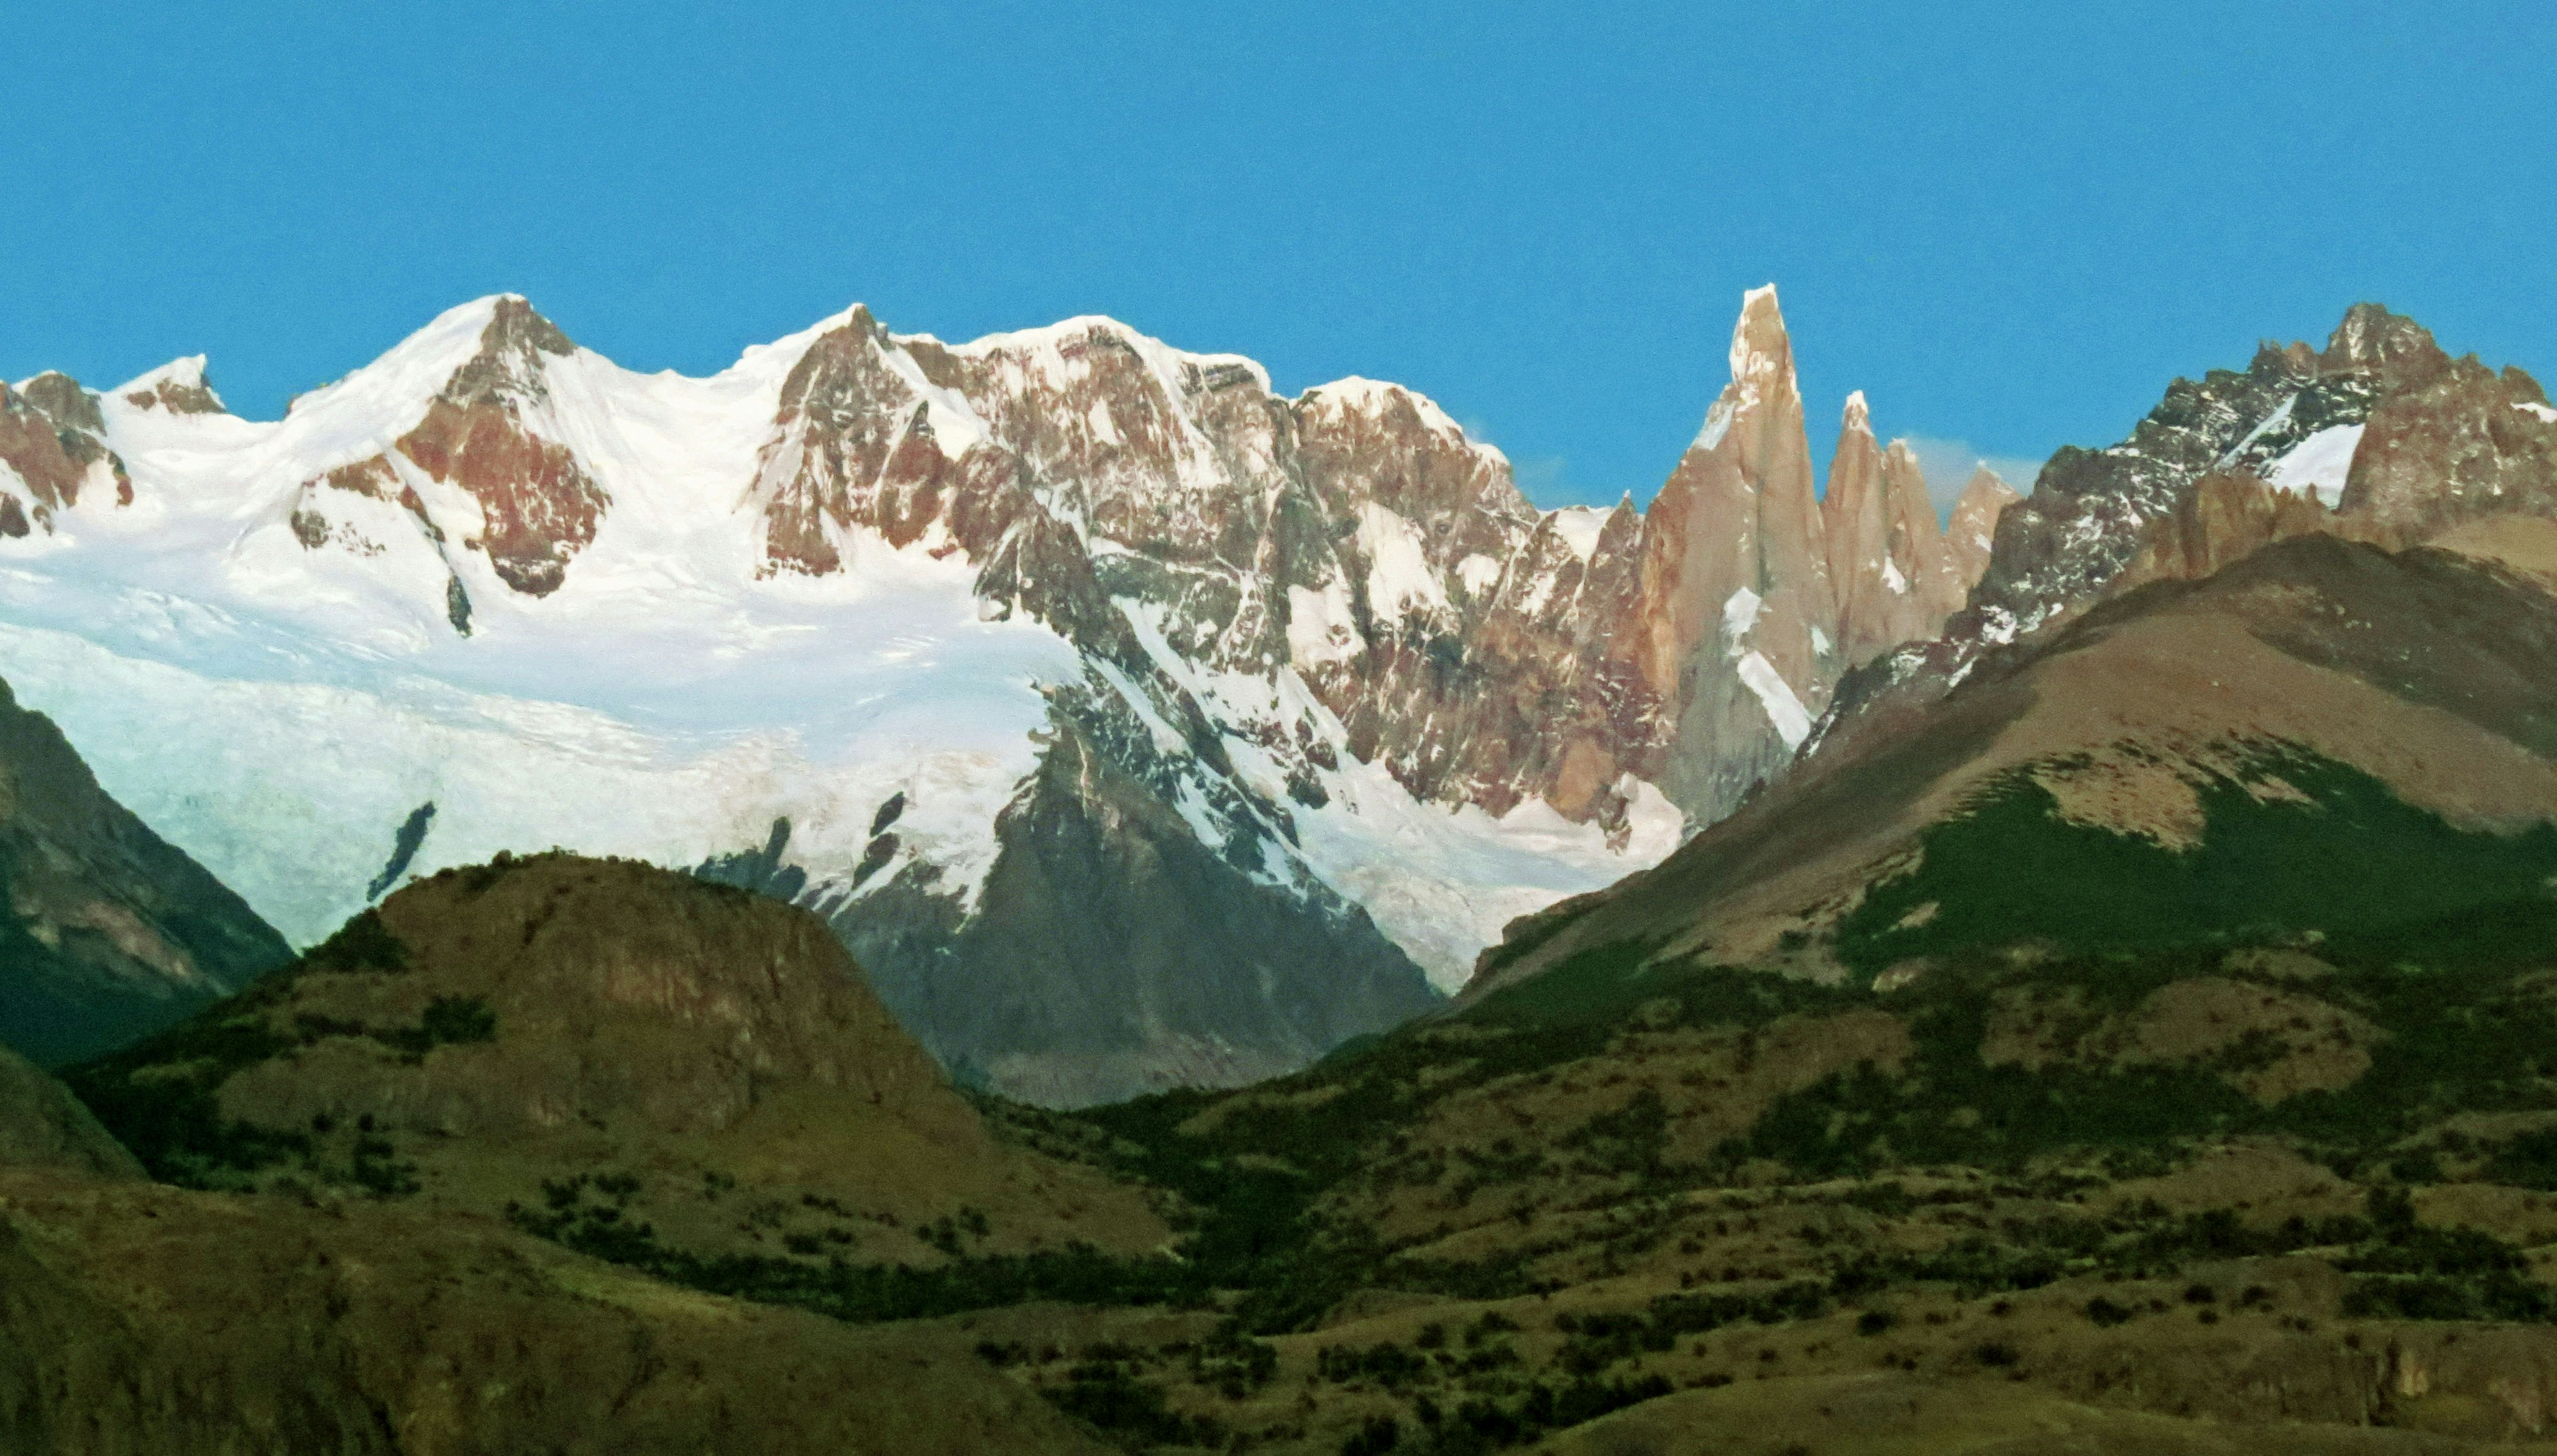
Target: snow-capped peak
{"type": "Point", "coordinates": [1857, 415]}
{"type": "Point", "coordinates": [178, 386]}
{"type": "Point", "coordinates": [1760, 350]}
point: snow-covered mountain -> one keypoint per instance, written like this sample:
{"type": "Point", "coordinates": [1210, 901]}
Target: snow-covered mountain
{"type": "Point", "coordinates": [1132, 722]}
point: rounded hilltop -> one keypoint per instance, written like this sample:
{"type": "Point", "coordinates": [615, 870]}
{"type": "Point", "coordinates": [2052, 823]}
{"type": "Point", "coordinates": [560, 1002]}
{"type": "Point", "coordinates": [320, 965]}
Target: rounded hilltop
{"type": "Point", "coordinates": [551, 1038]}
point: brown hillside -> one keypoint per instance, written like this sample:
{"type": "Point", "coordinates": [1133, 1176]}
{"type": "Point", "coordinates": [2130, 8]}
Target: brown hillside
{"type": "Point", "coordinates": [41, 1126]}
{"type": "Point", "coordinates": [2424, 669]}
{"type": "Point", "coordinates": [138, 1320]}
{"type": "Point", "coordinates": [554, 1034]}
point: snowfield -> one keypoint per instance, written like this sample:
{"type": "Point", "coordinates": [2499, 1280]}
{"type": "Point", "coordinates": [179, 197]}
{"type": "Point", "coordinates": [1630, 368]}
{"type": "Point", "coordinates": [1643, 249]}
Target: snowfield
{"type": "Point", "coordinates": [277, 711]}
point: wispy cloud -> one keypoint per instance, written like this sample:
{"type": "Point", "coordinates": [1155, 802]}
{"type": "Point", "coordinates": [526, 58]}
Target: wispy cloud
{"type": "Point", "coordinates": [1545, 480]}
{"type": "Point", "coordinates": [1948, 464]}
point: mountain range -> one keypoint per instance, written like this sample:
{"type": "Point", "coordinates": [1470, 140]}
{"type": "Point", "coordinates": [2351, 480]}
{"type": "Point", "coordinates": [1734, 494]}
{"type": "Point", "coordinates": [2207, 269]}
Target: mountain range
{"type": "Point", "coordinates": [1134, 725]}
{"type": "Point", "coordinates": [2090, 989]}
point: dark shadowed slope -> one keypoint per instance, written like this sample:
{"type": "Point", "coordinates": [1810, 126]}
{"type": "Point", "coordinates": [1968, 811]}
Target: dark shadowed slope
{"type": "Point", "coordinates": [107, 931]}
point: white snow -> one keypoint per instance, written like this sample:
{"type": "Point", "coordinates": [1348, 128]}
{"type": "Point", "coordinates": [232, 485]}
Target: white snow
{"type": "Point", "coordinates": [1717, 421]}
{"type": "Point", "coordinates": [278, 711]}
{"type": "Point", "coordinates": [1892, 580]}
{"type": "Point", "coordinates": [1103, 428]}
{"type": "Point", "coordinates": [186, 373]}
{"type": "Point", "coordinates": [1739, 614]}
{"type": "Point", "coordinates": [2318, 464]}
{"type": "Point", "coordinates": [1399, 574]}
{"type": "Point", "coordinates": [1320, 627]}
{"type": "Point", "coordinates": [1581, 526]}
{"type": "Point", "coordinates": [1858, 415]}
{"type": "Point", "coordinates": [1792, 721]}
{"type": "Point", "coordinates": [2541, 412]}
{"type": "Point", "coordinates": [272, 708]}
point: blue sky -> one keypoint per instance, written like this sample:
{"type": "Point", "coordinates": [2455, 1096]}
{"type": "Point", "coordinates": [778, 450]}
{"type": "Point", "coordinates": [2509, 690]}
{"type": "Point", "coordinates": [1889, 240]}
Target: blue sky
{"type": "Point", "coordinates": [2009, 224]}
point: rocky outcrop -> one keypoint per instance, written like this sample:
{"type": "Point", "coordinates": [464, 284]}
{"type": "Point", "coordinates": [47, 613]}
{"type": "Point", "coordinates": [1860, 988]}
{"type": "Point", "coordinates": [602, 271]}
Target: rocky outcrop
{"type": "Point", "coordinates": [177, 388]}
{"type": "Point", "coordinates": [2227, 517]}
{"type": "Point", "coordinates": [487, 1027]}
{"type": "Point", "coordinates": [2394, 439]}
{"type": "Point", "coordinates": [1973, 527]}
{"type": "Point", "coordinates": [537, 506]}
{"type": "Point", "coordinates": [2456, 442]}
{"type": "Point", "coordinates": [1738, 615]}
{"type": "Point", "coordinates": [106, 932]}
{"type": "Point", "coordinates": [1113, 953]}
{"type": "Point", "coordinates": [1895, 583]}
{"type": "Point", "coordinates": [52, 441]}
{"type": "Point", "coordinates": [482, 470]}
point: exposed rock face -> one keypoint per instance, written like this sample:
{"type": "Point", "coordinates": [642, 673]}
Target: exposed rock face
{"type": "Point", "coordinates": [1885, 551]}
{"type": "Point", "coordinates": [106, 932]}
{"type": "Point", "coordinates": [54, 442]}
{"type": "Point", "coordinates": [2393, 438]}
{"type": "Point", "coordinates": [1973, 528]}
{"type": "Point", "coordinates": [2227, 517]}
{"type": "Point", "coordinates": [512, 489]}
{"type": "Point", "coordinates": [178, 387]}
{"type": "Point", "coordinates": [2461, 443]}
{"type": "Point", "coordinates": [1739, 615]}
{"type": "Point", "coordinates": [537, 507]}
{"type": "Point", "coordinates": [1114, 953]}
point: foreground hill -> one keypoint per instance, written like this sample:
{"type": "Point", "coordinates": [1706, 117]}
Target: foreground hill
{"type": "Point", "coordinates": [2279, 1197]}
{"type": "Point", "coordinates": [604, 1050]}
{"type": "Point", "coordinates": [107, 931]}
{"type": "Point", "coordinates": [138, 1319]}
{"type": "Point", "coordinates": [41, 1126]}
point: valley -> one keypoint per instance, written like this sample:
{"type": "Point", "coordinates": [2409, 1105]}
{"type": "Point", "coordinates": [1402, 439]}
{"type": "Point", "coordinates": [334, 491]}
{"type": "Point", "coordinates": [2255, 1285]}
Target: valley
{"type": "Point", "coordinates": [2099, 1004]}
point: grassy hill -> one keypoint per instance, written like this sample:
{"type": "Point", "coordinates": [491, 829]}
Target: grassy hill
{"type": "Point", "coordinates": [621, 1056]}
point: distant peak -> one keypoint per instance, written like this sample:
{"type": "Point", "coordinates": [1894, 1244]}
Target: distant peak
{"type": "Point", "coordinates": [515, 325]}
{"type": "Point", "coordinates": [1989, 484]}
{"type": "Point", "coordinates": [178, 387]}
{"type": "Point", "coordinates": [1376, 396]}
{"type": "Point", "coordinates": [2371, 335]}
{"type": "Point", "coordinates": [1858, 416]}
{"type": "Point", "coordinates": [64, 400]}
{"type": "Point", "coordinates": [1760, 350]}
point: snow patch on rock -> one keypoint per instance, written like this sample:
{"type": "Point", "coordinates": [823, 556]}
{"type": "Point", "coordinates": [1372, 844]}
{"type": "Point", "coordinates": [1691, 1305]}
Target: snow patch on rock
{"type": "Point", "coordinates": [1399, 574]}
{"type": "Point", "coordinates": [2318, 464]}
{"type": "Point", "coordinates": [1793, 721]}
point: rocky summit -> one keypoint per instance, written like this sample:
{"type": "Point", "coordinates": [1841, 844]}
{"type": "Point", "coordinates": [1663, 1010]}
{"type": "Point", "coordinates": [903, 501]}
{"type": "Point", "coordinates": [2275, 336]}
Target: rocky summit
{"type": "Point", "coordinates": [1133, 723]}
